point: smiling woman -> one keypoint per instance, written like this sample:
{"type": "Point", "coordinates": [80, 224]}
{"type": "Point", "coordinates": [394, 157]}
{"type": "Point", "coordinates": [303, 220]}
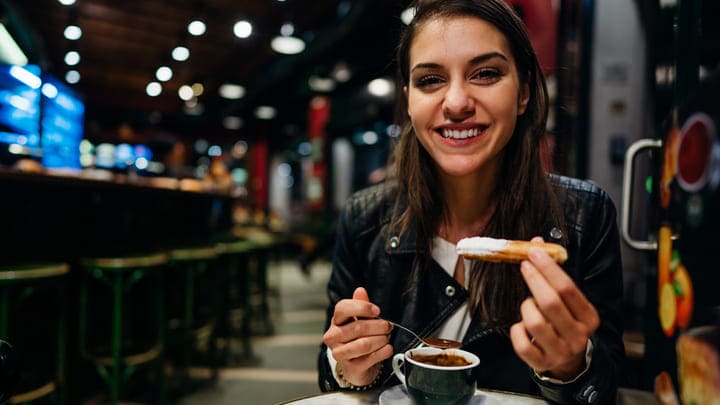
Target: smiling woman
{"type": "Point", "coordinates": [467, 163]}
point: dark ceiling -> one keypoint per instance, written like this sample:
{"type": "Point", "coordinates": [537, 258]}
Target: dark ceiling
{"type": "Point", "coordinates": [124, 42]}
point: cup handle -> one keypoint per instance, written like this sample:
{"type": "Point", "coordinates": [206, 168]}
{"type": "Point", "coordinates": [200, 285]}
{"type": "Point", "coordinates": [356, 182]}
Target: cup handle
{"type": "Point", "coordinates": [397, 362]}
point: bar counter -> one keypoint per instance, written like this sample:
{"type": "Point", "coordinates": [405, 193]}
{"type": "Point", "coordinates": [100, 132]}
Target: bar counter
{"type": "Point", "coordinates": [65, 216]}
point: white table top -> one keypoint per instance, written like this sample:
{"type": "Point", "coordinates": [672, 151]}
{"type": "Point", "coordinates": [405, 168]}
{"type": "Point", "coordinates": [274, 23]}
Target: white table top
{"type": "Point", "coordinates": [396, 396]}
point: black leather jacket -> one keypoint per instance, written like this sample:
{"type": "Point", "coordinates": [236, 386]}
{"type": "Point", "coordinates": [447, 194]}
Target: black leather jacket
{"type": "Point", "coordinates": [367, 255]}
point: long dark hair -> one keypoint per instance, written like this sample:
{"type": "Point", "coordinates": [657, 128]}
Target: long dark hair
{"type": "Point", "coordinates": [525, 199]}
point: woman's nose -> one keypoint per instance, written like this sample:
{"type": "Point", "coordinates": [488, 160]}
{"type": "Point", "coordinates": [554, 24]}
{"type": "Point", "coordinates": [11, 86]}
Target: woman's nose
{"type": "Point", "coordinates": [458, 103]}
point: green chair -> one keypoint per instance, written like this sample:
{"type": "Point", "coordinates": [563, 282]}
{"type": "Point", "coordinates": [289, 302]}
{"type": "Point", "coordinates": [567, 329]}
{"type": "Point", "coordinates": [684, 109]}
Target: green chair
{"type": "Point", "coordinates": [118, 359]}
{"type": "Point", "coordinates": [19, 286]}
{"type": "Point", "coordinates": [192, 303]}
{"type": "Point", "coordinates": [234, 307]}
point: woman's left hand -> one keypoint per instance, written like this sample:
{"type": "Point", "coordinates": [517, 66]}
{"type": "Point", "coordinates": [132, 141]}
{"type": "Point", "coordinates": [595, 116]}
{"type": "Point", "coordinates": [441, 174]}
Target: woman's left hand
{"type": "Point", "coordinates": [556, 321]}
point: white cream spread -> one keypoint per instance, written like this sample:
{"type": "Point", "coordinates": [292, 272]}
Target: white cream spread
{"type": "Point", "coordinates": [479, 246]}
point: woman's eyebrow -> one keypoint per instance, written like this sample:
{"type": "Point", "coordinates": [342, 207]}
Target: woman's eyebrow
{"type": "Point", "coordinates": [425, 66]}
{"type": "Point", "coordinates": [486, 57]}
{"type": "Point", "coordinates": [474, 61]}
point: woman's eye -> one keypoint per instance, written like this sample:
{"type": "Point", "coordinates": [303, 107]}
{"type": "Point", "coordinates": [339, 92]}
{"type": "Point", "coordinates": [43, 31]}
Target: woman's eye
{"type": "Point", "coordinates": [487, 75]}
{"type": "Point", "coordinates": [426, 81]}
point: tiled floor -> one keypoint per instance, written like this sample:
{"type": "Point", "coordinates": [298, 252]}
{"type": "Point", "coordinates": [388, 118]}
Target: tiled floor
{"type": "Point", "coordinates": [287, 359]}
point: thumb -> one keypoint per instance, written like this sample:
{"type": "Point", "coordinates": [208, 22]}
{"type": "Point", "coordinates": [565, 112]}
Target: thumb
{"type": "Point", "coordinates": [361, 294]}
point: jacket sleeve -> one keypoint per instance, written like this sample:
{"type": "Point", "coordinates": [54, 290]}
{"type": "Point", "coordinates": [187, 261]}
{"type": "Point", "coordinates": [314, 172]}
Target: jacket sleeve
{"type": "Point", "coordinates": [600, 278]}
{"type": "Point", "coordinates": [346, 275]}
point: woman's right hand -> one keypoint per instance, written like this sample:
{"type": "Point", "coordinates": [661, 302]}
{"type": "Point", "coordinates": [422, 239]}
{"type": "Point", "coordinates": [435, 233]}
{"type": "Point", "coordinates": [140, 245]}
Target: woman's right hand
{"type": "Point", "coordinates": [357, 340]}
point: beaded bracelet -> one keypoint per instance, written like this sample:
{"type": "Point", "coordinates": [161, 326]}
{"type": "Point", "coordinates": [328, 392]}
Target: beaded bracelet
{"type": "Point", "coordinates": [360, 387]}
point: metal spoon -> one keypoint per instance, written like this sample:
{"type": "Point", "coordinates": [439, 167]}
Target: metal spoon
{"type": "Point", "coordinates": [434, 342]}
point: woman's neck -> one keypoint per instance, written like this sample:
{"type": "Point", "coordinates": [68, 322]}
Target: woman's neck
{"type": "Point", "coordinates": [470, 203]}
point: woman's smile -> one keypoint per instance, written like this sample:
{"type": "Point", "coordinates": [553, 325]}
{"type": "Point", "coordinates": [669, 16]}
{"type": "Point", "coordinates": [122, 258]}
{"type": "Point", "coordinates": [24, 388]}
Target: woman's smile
{"type": "Point", "coordinates": [460, 133]}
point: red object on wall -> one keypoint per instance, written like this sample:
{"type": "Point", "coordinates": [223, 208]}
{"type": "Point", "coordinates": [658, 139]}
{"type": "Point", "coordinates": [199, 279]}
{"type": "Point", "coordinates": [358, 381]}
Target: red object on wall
{"type": "Point", "coordinates": [318, 116]}
{"type": "Point", "coordinates": [259, 174]}
{"type": "Point", "coordinates": [541, 21]}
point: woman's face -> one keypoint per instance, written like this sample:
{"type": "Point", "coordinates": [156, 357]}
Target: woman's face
{"type": "Point", "coordinates": [464, 94]}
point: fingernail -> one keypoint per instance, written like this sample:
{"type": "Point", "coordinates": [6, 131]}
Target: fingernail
{"type": "Point", "coordinates": [375, 310]}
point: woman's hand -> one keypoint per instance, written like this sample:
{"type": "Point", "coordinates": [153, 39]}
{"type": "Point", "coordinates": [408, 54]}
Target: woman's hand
{"type": "Point", "coordinates": [557, 320]}
{"type": "Point", "coordinates": [358, 341]}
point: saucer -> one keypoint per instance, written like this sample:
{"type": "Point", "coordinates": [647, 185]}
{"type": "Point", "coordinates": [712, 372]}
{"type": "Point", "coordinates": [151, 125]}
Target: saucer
{"type": "Point", "coordinates": [396, 395]}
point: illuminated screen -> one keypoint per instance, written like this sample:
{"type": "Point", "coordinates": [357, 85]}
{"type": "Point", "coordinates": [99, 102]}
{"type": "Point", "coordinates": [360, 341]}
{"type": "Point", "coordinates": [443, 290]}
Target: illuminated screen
{"type": "Point", "coordinates": [20, 105]}
{"type": "Point", "coordinates": [63, 114]}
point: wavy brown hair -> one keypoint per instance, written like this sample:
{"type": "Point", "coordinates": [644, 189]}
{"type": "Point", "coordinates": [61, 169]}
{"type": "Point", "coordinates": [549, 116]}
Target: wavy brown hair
{"type": "Point", "coordinates": [525, 199]}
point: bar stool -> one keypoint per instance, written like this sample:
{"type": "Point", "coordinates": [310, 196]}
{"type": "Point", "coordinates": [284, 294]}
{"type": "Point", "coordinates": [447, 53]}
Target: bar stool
{"type": "Point", "coordinates": [234, 294]}
{"type": "Point", "coordinates": [196, 299]}
{"type": "Point", "coordinates": [264, 245]}
{"type": "Point", "coordinates": [121, 275]}
{"type": "Point", "coordinates": [259, 306]}
{"type": "Point", "coordinates": [18, 284]}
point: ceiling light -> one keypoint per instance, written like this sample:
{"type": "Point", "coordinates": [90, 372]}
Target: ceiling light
{"type": "Point", "coordinates": [10, 52]}
{"type": "Point", "coordinates": [407, 15]}
{"type": "Point", "coordinates": [341, 72]}
{"type": "Point", "coordinates": [215, 150]}
{"type": "Point", "coordinates": [239, 149]}
{"type": "Point", "coordinates": [185, 92]}
{"type": "Point", "coordinates": [287, 45]}
{"type": "Point", "coordinates": [232, 122]}
{"type": "Point", "coordinates": [370, 137]}
{"type": "Point", "coordinates": [66, 2]}
{"type": "Point", "coordinates": [153, 89]}
{"type": "Point", "coordinates": [196, 109]}
{"type": "Point", "coordinates": [25, 76]}
{"type": "Point", "coordinates": [287, 29]}
{"type": "Point", "coordinates": [198, 89]}
{"type": "Point", "coordinates": [265, 112]}
{"type": "Point", "coordinates": [242, 29]}
{"type": "Point", "coordinates": [196, 28]}
{"type": "Point", "coordinates": [231, 91]}
{"type": "Point", "coordinates": [164, 73]}
{"type": "Point", "coordinates": [200, 145]}
{"type": "Point", "coordinates": [380, 87]}
{"type": "Point", "coordinates": [72, 76]}
{"type": "Point", "coordinates": [72, 58]}
{"type": "Point", "coordinates": [72, 32]}
{"type": "Point", "coordinates": [180, 53]}
{"type": "Point", "coordinates": [321, 84]}
{"type": "Point", "coordinates": [49, 90]}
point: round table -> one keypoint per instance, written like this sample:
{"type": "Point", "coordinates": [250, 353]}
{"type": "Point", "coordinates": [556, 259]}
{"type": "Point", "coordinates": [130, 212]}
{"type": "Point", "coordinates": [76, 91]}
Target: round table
{"type": "Point", "coordinates": [395, 395]}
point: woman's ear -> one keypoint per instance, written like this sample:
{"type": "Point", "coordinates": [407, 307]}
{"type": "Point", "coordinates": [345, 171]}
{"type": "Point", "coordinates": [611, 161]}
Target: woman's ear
{"type": "Point", "coordinates": [523, 98]}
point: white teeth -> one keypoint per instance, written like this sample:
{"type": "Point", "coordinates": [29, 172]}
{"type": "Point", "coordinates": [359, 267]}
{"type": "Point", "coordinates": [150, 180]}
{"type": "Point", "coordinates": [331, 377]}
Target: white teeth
{"type": "Point", "coordinates": [460, 134]}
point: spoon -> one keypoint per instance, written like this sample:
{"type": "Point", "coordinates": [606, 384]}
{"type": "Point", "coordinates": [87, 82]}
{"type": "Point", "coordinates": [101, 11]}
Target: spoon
{"type": "Point", "coordinates": [434, 342]}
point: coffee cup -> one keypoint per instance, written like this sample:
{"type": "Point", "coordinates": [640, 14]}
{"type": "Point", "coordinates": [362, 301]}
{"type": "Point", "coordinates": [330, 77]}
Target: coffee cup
{"type": "Point", "coordinates": [434, 376]}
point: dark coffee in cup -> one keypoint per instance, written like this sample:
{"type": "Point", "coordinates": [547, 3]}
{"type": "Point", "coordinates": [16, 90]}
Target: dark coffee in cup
{"type": "Point", "coordinates": [441, 359]}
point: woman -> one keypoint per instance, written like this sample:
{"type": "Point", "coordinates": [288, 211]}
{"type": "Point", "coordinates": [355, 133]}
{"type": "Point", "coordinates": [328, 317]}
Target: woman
{"type": "Point", "coordinates": [467, 164]}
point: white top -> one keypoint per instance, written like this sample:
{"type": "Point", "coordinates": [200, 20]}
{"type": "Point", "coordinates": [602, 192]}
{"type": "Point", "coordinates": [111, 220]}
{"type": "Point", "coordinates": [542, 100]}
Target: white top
{"type": "Point", "coordinates": [457, 324]}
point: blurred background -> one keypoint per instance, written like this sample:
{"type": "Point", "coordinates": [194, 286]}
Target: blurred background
{"type": "Point", "coordinates": [162, 127]}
